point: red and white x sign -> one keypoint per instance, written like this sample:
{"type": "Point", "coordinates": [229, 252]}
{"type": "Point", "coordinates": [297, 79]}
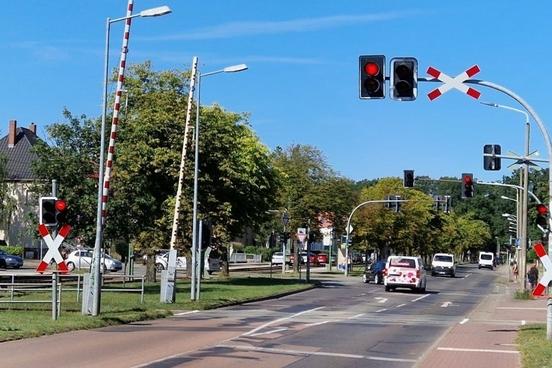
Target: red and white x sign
{"type": "Point", "coordinates": [53, 248]}
{"type": "Point", "coordinates": [450, 83]}
{"type": "Point", "coordinates": [547, 263]}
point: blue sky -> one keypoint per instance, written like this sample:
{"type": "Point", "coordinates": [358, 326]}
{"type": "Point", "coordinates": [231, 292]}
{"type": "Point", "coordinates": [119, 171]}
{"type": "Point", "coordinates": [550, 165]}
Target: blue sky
{"type": "Point", "coordinates": [302, 82]}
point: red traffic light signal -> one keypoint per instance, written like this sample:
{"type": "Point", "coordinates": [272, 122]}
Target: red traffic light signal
{"type": "Point", "coordinates": [61, 205]}
{"type": "Point", "coordinates": [542, 210]}
{"type": "Point", "coordinates": [467, 186]}
{"type": "Point", "coordinates": [372, 76]}
{"type": "Point", "coordinates": [61, 211]}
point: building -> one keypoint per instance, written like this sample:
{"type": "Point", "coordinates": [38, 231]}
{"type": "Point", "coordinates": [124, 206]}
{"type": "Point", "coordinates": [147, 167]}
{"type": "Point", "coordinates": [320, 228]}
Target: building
{"type": "Point", "coordinates": [21, 204]}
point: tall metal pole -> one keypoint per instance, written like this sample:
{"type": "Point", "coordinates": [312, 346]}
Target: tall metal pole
{"type": "Point", "coordinates": [93, 306]}
{"type": "Point", "coordinates": [525, 199]}
{"type": "Point", "coordinates": [195, 246]}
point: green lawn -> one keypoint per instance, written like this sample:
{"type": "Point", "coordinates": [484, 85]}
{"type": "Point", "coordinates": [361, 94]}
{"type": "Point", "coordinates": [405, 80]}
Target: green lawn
{"type": "Point", "coordinates": [536, 350]}
{"type": "Point", "coordinates": [28, 320]}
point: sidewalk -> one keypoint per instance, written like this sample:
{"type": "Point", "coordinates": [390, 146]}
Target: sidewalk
{"type": "Point", "coordinates": [487, 337]}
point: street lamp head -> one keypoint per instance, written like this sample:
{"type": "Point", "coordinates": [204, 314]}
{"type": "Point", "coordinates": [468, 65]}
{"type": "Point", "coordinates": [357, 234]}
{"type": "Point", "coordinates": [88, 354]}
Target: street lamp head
{"type": "Point", "coordinates": [156, 12]}
{"type": "Point", "coordinates": [235, 68]}
{"type": "Point", "coordinates": [504, 197]}
{"type": "Point", "coordinates": [507, 215]}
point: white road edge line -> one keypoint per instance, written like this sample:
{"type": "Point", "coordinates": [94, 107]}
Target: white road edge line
{"type": "Point", "coordinates": [464, 321]}
{"type": "Point", "coordinates": [381, 310]}
{"type": "Point", "coordinates": [356, 316]}
{"type": "Point", "coordinates": [279, 320]}
{"type": "Point", "coordinates": [400, 305]}
{"type": "Point", "coordinates": [308, 353]}
{"type": "Point", "coordinates": [479, 350]}
{"type": "Point", "coordinates": [269, 332]}
{"type": "Point", "coordinates": [420, 298]}
{"type": "Point", "coordinates": [316, 324]}
{"type": "Point", "coordinates": [184, 313]}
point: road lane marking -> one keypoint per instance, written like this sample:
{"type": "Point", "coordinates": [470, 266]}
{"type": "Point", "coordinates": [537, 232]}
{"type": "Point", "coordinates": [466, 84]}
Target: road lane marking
{"type": "Point", "coordinates": [401, 305]}
{"type": "Point", "coordinates": [464, 321]}
{"type": "Point", "coordinates": [523, 322]}
{"type": "Point", "coordinates": [356, 316]}
{"type": "Point", "coordinates": [467, 275]}
{"type": "Point", "coordinates": [521, 308]}
{"type": "Point", "coordinates": [316, 324]}
{"type": "Point", "coordinates": [479, 350]}
{"type": "Point", "coordinates": [380, 299]}
{"type": "Point", "coordinates": [381, 310]}
{"type": "Point", "coordinates": [308, 353]}
{"type": "Point", "coordinates": [279, 320]}
{"type": "Point", "coordinates": [184, 313]}
{"type": "Point", "coordinates": [269, 332]}
{"type": "Point", "coordinates": [420, 298]}
{"type": "Point", "coordinates": [445, 304]}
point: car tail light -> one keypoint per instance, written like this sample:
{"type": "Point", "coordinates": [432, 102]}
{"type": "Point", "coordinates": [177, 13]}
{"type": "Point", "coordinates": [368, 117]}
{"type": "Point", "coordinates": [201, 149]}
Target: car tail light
{"type": "Point", "coordinates": [384, 272]}
{"type": "Point", "coordinates": [418, 273]}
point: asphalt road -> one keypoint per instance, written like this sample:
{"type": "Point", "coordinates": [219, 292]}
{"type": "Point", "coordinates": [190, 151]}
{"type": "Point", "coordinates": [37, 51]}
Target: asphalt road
{"type": "Point", "coordinates": [345, 323]}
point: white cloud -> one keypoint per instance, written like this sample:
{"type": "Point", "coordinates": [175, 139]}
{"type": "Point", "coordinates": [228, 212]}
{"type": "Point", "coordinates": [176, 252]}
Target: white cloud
{"type": "Point", "coordinates": [251, 28]}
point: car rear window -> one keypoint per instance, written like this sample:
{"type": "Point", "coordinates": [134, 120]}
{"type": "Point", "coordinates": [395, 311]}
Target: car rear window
{"type": "Point", "coordinates": [443, 258]}
{"type": "Point", "coordinates": [486, 257]}
{"type": "Point", "coordinates": [402, 262]}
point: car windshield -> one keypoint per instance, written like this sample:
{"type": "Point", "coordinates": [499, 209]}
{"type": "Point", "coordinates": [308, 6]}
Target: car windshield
{"type": "Point", "coordinates": [443, 258]}
{"type": "Point", "coordinates": [403, 262]}
{"type": "Point", "coordinates": [486, 257]}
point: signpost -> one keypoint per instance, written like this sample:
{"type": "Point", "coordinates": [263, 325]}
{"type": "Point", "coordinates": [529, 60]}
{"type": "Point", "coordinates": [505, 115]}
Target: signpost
{"type": "Point", "coordinates": [456, 82]}
{"type": "Point", "coordinates": [53, 248]}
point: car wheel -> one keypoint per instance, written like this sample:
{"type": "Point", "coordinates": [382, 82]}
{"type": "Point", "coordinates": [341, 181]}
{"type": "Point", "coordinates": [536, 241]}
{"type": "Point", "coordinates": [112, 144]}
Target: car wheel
{"type": "Point", "coordinates": [453, 275]}
{"type": "Point", "coordinates": [422, 289]}
{"type": "Point", "coordinates": [387, 288]}
{"type": "Point", "coordinates": [159, 267]}
{"type": "Point", "coordinates": [479, 266]}
{"type": "Point", "coordinates": [70, 266]}
{"type": "Point", "coordinates": [2, 263]}
{"type": "Point", "coordinates": [433, 274]}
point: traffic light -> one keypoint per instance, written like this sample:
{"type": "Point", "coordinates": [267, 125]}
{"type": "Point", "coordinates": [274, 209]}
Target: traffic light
{"type": "Point", "coordinates": [408, 180]}
{"type": "Point", "coordinates": [47, 211]}
{"type": "Point", "coordinates": [467, 185]}
{"type": "Point", "coordinates": [372, 76]}
{"type": "Point", "coordinates": [542, 216]}
{"type": "Point", "coordinates": [490, 162]}
{"type": "Point", "coordinates": [61, 211]}
{"type": "Point", "coordinates": [404, 79]}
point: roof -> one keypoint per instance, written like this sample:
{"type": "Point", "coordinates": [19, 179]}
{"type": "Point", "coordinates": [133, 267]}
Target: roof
{"type": "Point", "coordinates": [20, 156]}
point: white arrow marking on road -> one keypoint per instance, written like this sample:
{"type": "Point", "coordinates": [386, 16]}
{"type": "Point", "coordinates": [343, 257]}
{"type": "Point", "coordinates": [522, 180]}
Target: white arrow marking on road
{"type": "Point", "coordinates": [445, 304]}
{"type": "Point", "coordinates": [380, 299]}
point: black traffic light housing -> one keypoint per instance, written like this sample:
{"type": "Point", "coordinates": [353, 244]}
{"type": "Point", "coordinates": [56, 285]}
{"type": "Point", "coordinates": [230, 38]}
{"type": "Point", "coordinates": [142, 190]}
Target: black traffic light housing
{"type": "Point", "coordinates": [490, 162]}
{"type": "Point", "coordinates": [47, 211]}
{"type": "Point", "coordinates": [542, 216]}
{"type": "Point", "coordinates": [467, 185]}
{"type": "Point", "coordinates": [404, 78]}
{"type": "Point", "coordinates": [372, 76]}
{"type": "Point", "coordinates": [408, 179]}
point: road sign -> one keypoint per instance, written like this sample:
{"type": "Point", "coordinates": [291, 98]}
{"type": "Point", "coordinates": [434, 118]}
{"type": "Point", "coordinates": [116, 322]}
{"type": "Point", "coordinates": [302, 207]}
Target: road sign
{"type": "Point", "coordinates": [450, 83]}
{"type": "Point", "coordinates": [547, 263]}
{"type": "Point", "coordinates": [53, 248]}
{"type": "Point", "coordinates": [301, 234]}
{"type": "Point", "coordinates": [349, 229]}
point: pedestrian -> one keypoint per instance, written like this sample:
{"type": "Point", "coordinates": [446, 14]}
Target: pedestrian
{"type": "Point", "coordinates": [515, 270]}
{"type": "Point", "coordinates": [533, 276]}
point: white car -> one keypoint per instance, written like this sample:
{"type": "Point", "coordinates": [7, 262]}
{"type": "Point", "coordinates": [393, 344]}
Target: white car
{"type": "Point", "coordinates": [212, 264]}
{"type": "Point", "coordinates": [486, 260]}
{"type": "Point", "coordinates": [278, 258]}
{"type": "Point", "coordinates": [82, 259]}
{"type": "Point", "coordinates": [443, 264]}
{"type": "Point", "coordinates": [404, 272]}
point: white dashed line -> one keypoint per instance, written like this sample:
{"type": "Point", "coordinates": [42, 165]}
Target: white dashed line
{"type": "Point", "coordinates": [400, 305]}
{"type": "Point", "coordinates": [356, 316]}
{"type": "Point", "coordinates": [184, 313]}
{"type": "Point", "coordinates": [420, 298]}
{"type": "Point", "coordinates": [381, 310]}
{"type": "Point", "coordinates": [316, 324]}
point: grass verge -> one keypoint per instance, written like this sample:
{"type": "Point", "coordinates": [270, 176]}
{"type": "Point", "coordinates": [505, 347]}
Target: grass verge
{"type": "Point", "coordinates": [23, 320]}
{"type": "Point", "coordinates": [536, 351]}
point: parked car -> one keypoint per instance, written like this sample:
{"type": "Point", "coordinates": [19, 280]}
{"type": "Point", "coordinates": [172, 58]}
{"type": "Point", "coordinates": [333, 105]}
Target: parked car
{"type": "Point", "coordinates": [82, 259]}
{"type": "Point", "coordinates": [211, 264]}
{"type": "Point", "coordinates": [374, 272]}
{"type": "Point", "coordinates": [322, 258]}
{"type": "Point", "coordinates": [10, 260]}
{"type": "Point", "coordinates": [486, 260]}
{"type": "Point", "coordinates": [443, 264]}
{"type": "Point", "coordinates": [278, 257]}
{"type": "Point", "coordinates": [313, 258]}
{"type": "Point", "coordinates": [405, 272]}
{"type": "Point", "coordinates": [162, 261]}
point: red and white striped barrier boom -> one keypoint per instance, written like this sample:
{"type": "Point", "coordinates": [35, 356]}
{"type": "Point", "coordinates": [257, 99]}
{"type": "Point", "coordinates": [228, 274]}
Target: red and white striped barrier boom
{"type": "Point", "coordinates": [116, 109]}
{"type": "Point", "coordinates": [547, 263]}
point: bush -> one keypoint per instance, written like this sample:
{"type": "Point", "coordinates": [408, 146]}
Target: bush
{"type": "Point", "coordinates": [523, 295]}
{"type": "Point", "coordinates": [15, 250]}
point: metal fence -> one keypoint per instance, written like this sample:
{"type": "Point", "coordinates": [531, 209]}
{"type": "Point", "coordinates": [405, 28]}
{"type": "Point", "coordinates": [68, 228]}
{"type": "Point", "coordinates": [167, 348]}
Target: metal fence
{"type": "Point", "coordinates": [244, 258]}
{"type": "Point", "coordinates": [16, 283]}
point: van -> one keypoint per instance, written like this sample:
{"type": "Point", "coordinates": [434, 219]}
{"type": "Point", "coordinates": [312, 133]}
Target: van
{"type": "Point", "coordinates": [404, 272]}
{"type": "Point", "coordinates": [486, 259]}
{"type": "Point", "coordinates": [443, 264]}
